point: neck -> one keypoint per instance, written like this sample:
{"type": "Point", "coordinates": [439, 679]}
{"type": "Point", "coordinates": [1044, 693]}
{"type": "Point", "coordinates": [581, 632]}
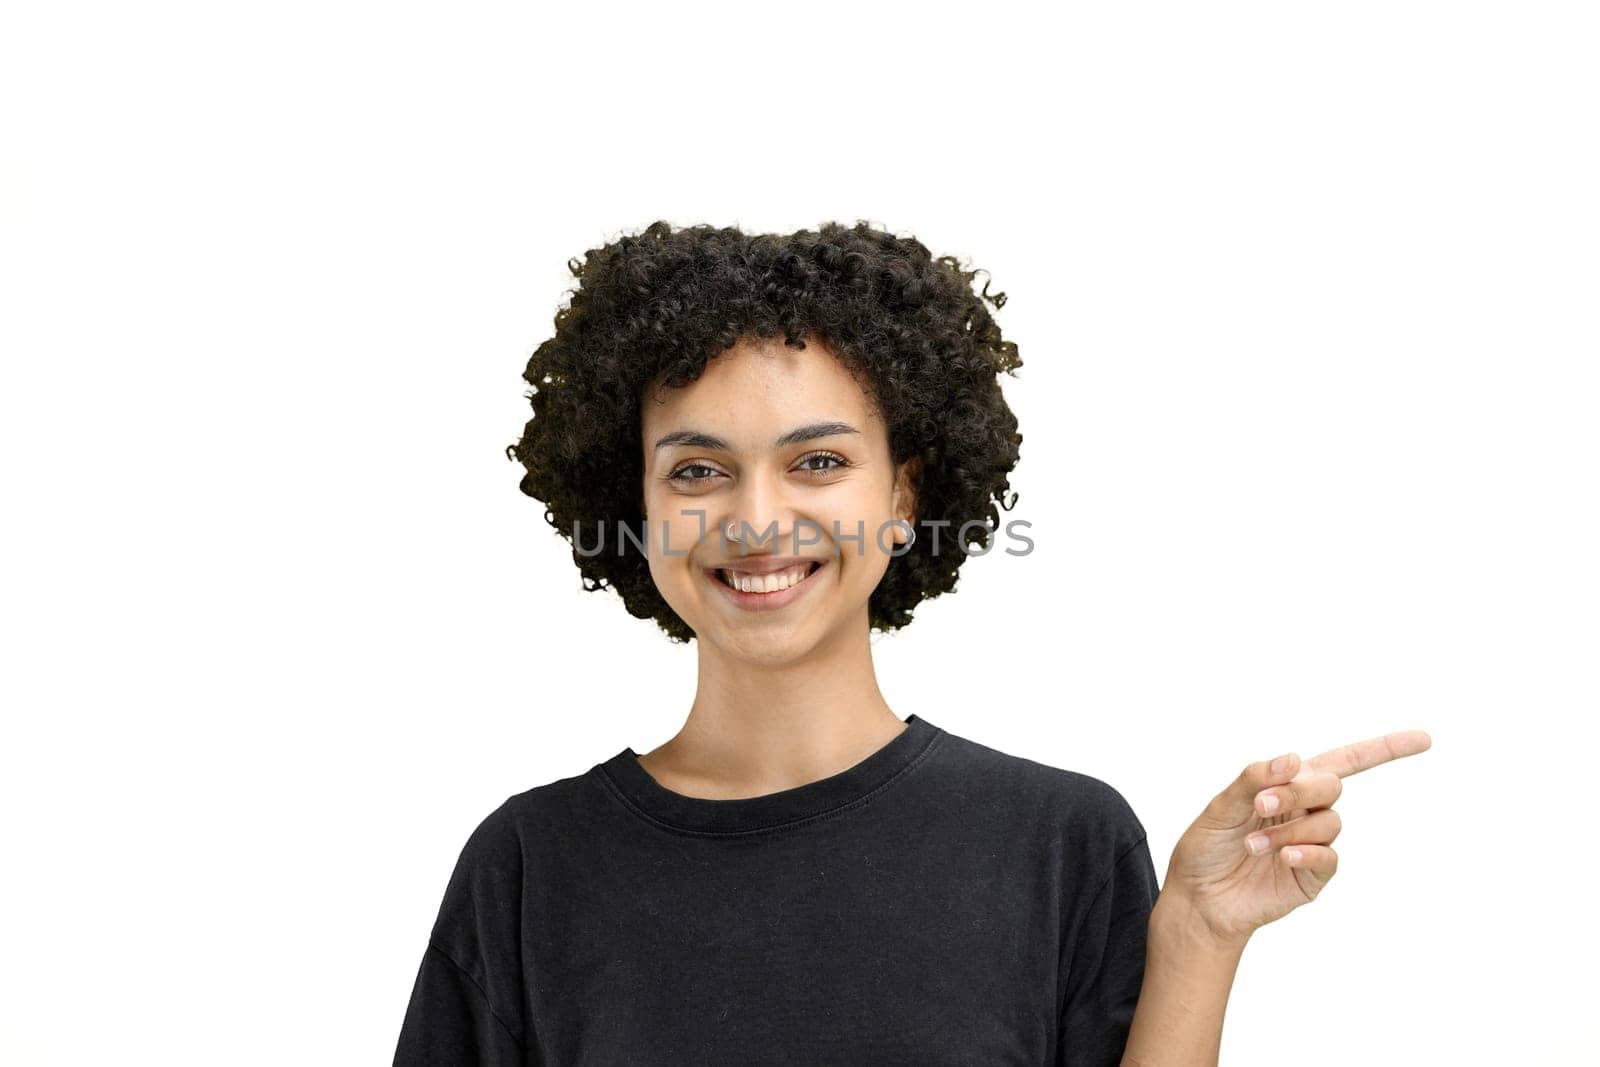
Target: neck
{"type": "Point", "coordinates": [758, 728]}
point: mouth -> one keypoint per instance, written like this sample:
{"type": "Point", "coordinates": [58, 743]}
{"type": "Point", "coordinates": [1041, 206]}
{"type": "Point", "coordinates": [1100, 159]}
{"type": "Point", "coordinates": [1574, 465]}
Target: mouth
{"type": "Point", "coordinates": [727, 578]}
{"type": "Point", "coordinates": [764, 592]}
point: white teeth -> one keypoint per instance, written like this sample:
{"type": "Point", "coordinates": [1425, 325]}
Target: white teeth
{"type": "Point", "coordinates": [768, 583]}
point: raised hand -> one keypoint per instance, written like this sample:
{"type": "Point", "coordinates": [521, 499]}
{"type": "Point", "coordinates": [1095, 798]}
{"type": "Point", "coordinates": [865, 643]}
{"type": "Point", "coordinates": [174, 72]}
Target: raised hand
{"type": "Point", "coordinates": [1263, 846]}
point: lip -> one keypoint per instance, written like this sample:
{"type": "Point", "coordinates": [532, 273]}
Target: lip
{"type": "Point", "coordinates": [748, 565]}
{"type": "Point", "coordinates": [767, 601]}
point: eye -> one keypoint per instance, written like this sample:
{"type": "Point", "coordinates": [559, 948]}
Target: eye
{"type": "Point", "coordinates": [837, 462]}
{"type": "Point", "coordinates": [681, 473]}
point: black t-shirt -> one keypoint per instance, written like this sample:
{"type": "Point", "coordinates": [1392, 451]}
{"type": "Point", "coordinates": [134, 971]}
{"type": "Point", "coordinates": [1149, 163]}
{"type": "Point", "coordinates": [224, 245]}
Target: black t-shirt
{"type": "Point", "coordinates": [939, 902]}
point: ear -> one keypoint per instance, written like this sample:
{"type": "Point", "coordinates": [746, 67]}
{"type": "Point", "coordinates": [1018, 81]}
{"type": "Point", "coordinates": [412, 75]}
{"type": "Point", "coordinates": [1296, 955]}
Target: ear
{"type": "Point", "coordinates": [907, 485]}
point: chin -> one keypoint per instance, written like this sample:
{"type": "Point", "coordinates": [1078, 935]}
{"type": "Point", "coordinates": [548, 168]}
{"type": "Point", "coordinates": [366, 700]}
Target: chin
{"type": "Point", "coordinates": [762, 645]}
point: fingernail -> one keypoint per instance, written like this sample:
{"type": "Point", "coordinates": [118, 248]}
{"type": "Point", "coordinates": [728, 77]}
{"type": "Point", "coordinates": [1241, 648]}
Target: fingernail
{"type": "Point", "coordinates": [1269, 803]}
{"type": "Point", "coordinates": [1293, 854]}
{"type": "Point", "coordinates": [1257, 843]}
{"type": "Point", "coordinates": [1280, 764]}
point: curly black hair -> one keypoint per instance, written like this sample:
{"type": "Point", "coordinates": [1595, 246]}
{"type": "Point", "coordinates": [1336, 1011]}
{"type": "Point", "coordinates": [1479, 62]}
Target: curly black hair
{"type": "Point", "coordinates": [661, 304]}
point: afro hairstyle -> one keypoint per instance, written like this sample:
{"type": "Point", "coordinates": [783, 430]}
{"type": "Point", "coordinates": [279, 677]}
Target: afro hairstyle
{"type": "Point", "coordinates": [657, 306]}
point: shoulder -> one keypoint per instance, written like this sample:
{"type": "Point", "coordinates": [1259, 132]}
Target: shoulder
{"type": "Point", "coordinates": [503, 838]}
{"type": "Point", "coordinates": [1083, 809]}
{"type": "Point", "coordinates": [500, 854]}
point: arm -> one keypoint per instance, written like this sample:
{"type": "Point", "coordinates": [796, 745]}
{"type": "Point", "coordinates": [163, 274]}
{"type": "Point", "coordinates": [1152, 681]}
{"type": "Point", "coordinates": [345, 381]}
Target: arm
{"type": "Point", "coordinates": [449, 1020]}
{"type": "Point", "coordinates": [1188, 975]}
{"type": "Point", "coordinates": [467, 1003]}
{"type": "Point", "coordinates": [1260, 849]}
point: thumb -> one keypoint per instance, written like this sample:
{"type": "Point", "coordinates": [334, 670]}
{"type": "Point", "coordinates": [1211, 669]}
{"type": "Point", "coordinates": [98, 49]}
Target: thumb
{"type": "Point", "coordinates": [1237, 803]}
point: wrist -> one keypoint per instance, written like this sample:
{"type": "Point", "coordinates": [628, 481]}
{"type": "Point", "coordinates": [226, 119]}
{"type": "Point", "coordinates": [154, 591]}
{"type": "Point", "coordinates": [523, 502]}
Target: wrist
{"type": "Point", "coordinates": [1178, 926]}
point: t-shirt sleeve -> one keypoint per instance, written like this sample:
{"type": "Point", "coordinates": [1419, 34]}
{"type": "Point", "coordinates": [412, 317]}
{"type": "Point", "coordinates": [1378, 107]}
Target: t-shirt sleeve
{"type": "Point", "coordinates": [450, 1021]}
{"type": "Point", "coordinates": [466, 1007]}
{"type": "Point", "coordinates": [1106, 964]}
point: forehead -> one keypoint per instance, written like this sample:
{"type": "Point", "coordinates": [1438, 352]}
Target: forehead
{"type": "Point", "coordinates": [758, 385]}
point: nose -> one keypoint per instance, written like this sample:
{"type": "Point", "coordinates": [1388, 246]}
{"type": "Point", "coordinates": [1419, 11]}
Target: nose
{"type": "Point", "coordinates": [760, 516]}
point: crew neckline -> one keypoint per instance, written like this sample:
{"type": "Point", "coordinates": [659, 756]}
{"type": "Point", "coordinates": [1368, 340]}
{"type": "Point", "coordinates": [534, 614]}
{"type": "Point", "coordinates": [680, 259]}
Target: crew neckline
{"type": "Point", "coordinates": [770, 811]}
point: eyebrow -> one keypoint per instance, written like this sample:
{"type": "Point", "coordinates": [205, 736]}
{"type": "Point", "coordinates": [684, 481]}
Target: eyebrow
{"type": "Point", "coordinates": [698, 439]}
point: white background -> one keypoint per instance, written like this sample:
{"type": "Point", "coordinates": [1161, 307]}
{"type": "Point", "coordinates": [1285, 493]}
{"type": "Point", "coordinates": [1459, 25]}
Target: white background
{"type": "Point", "coordinates": [1306, 303]}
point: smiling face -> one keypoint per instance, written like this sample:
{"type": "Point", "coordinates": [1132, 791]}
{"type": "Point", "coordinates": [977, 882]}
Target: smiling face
{"type": "Point", "coordinates": [783, 446]}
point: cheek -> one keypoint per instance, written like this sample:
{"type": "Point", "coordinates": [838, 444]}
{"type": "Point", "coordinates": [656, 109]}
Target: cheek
{"type": "Point", "coordinates": [867, 504]}
{"type": "Point", "coordinates": [864, 560]}
{"type": "Point", "coordinates": [672, 540]}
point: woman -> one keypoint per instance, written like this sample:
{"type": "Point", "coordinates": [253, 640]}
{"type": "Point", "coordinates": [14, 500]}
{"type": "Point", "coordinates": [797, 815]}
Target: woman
{"type": "Point", "coordinates": [774, 446]}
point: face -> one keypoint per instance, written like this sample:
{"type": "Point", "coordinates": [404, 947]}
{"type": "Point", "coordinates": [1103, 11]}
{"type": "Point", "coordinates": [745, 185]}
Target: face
{"type": "Point", "coordinates": [785, 447]}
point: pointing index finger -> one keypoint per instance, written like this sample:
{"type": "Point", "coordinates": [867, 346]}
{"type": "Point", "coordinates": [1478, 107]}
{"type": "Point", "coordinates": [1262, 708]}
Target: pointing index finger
{"type": "Point", "coordinates": [1363, 755]}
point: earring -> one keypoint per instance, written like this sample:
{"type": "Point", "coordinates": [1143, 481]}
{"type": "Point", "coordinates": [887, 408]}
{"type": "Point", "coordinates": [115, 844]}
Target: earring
{"type": "Point", "coordinates": [911, 533]}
